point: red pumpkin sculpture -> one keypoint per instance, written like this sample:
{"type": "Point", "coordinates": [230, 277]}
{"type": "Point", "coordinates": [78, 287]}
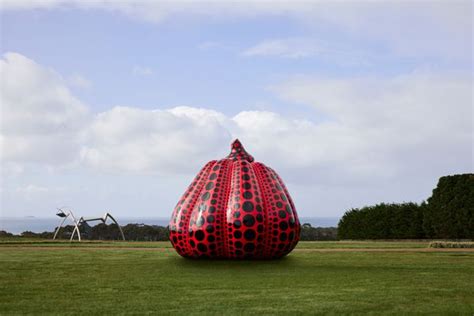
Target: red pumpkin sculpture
{"type": "Point", "coordinates": [235, 208]}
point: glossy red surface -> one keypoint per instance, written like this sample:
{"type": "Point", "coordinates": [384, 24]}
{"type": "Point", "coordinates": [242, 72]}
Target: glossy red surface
{"type": "Point", "coordinates": [235, 208]}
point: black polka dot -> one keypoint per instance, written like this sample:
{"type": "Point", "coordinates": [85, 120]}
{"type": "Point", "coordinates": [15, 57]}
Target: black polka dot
{"type": "Point", "coordinates": [249, 234]}
{"type": "Point", "coordinates": [288, 209]}
{"type": "Point", "coordinates": [283, 197]}
{"type": "Point", "coordinates": [210, 229]}
{"type": "Point", "coordinates": [247, 186]}
{"type": "Point", "coordinates": [237, 224]}
{"type": "Point", "coordinates": [212, 176]}
{"type": "Point", "coordinates": [292, 221]}
{"type": "Point", "coordinates": [192, 243]}
{"type": "Point", "coordinates": [247, 195]}
{"type": "Point", "coordinates": [259, 208]}
{"type": "Point", "coordinates": [247, 206]}
{"type": "Point", "coordinates": [211, 238]}
{"type": "Point", "coordinates": [238, 244]}
{"type": "Point", "coordinates": [212, 209]}
{"type": "Point", "coordinates": [205, 196]}
{"type": "Point", "coordinates": [279, 204]}
{"type": "Point", "coordinates": [213, 202]}
{"type": "Point", "coordinates": [282, 214]}
{"type": "Point", "coordinates": [260, 228]}
{"type": "Point", "coordinates": [283, 236]}
{"type": "Point", "coordinates": [249, 247]}
{"type": "Point", "coordinates": [245, 169]}
{"type": "Point", "coordinates": [210, 219]}
{"type": "Point", "coordinates": [245, 177]}
{"type": "Point", "coordinates": [259, 218]}
{"type": "Point", "coordinates": [283, 225]}
{"type": "Point", "coordinates": [199, 235]}
{"type": "Point", "coordinates": [210, 186]}
{"type": "Point", "coordinates": [291, 236]}
{"type": "Point", "coordinates": [202, 247]}
{"type": "Point", "coordinates": [249, 220]}
{"type": "Point", "coordinates": [237, 234]}
{"type": "Point", "coordinates": [236, 206]}
{"type": "Point", "coordinates": [216, 167]}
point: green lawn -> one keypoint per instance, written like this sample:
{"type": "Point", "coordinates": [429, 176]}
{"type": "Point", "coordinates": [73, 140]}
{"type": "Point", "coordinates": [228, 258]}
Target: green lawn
{"type": "Point", "coordinates": [116, 277]}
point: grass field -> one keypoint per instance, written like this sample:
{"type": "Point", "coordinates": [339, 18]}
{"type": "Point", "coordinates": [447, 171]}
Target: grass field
{"type": "Point", "coordinates": [317, 278]}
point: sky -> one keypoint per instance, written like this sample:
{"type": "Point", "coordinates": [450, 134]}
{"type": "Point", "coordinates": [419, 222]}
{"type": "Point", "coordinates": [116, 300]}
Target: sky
{"type": "Point", "coordinates": [116, 105]}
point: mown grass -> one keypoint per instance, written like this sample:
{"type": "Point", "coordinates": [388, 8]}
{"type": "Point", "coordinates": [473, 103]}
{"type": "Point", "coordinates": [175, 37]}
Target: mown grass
{"type": "Point", "coordinates": [165, 244]}
{"type": "Point", "coordinates": [115, 280]}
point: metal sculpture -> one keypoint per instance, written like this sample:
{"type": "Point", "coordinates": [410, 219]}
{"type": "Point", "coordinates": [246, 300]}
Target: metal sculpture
{"type": "Point", "coordinates": [235, 208]}
{"type": "Point", "coordinates": [65, 214]}
{"type": "Point", "coordinates": [83, 222]}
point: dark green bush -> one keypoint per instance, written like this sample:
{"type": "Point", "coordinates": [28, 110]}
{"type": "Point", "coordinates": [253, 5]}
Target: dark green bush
{"type": "Point", "coordinates": [447, 214]}
{"type": "Point", "coordinates": [382, 221]}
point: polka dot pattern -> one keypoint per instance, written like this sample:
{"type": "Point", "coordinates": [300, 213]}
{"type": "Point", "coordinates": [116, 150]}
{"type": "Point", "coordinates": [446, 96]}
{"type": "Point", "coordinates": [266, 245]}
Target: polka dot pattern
{"type": "Point", "coordinates": [235, 208]}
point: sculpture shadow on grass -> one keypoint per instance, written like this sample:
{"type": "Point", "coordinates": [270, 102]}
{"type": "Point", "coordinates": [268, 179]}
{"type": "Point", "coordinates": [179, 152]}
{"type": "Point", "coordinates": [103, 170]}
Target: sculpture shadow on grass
{"type": "Point", "coordinates": [225, 264]}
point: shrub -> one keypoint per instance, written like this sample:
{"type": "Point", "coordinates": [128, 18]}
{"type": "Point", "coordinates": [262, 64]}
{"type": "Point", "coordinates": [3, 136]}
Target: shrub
{"type": "Point", "coordinates": [449, 212]}
{"type": "Point", "coordinates": [451, 244]}
{"type": "Point", "coordinates": [382, 221]}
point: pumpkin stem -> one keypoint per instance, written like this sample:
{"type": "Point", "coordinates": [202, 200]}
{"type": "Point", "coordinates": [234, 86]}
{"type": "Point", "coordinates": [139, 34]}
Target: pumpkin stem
{"type": "Point", "coordinates": [238, 152]}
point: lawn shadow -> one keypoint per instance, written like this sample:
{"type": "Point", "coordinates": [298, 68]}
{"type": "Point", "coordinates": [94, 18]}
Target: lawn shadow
{"type": "Point", "coordinates": [225, 264]}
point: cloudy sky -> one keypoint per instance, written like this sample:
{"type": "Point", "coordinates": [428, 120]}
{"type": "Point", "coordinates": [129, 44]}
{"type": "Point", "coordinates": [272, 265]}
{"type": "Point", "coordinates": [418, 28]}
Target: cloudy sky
{"type": "Point", "coordinates": [114, 105]}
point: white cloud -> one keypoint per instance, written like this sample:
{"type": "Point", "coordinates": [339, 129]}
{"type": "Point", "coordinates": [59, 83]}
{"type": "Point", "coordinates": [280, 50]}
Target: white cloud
{"type": "Point", "coordinates": [296, 48]}
{"type": "Point", "coordinates": [414, 123]}
{"type": "Point", "coordinates": [405, 28]}
{"type": "Point", "coordinates": [289, 48]}
{"type": "Point", "coordinates": [378, 139]}
{"type": "Point", "coordinates": [41, 119]}
{"type": "Point", "coordinates": [142, 71]}
{"type": "Point", "coordinates": [79, 81]}
{"type": "Point", "coordinates": [372, 126]}
{"type": "Point", "coordinates": [162, 141]}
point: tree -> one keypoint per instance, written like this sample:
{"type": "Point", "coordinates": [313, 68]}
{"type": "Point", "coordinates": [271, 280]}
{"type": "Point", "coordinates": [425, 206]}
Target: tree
{"type": "Point", "coordinates": [449, 212]}
{"type": "Point", "coordinates": [382, 221]}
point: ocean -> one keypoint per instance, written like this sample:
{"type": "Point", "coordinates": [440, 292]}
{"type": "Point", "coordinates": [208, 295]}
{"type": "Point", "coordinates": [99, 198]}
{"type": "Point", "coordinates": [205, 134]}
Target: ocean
{"type": "Point", "coordinates": [17, 225]}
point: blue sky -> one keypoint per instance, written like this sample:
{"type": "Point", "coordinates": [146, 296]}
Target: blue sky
{"type": "Point", "coordinates": [352, 102]}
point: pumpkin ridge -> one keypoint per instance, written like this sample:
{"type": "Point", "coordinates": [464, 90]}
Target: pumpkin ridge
{"type": "Point", "coordinates": [182, 204]}
{"type": "Point", "coordinates": [293, 210]}
{"type": "Point", "coordinates": [256, 171]}
{"type": "Point", "coordinates": [225, 205]}
{"type": "Point", "coordinates": [229, 212]}
{"type": "Point", "coordinates": [193, 202]}
{"type": "Point", "coordinates": [196, 207]}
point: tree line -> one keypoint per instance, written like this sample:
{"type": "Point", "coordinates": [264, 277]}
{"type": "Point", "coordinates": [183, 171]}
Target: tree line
{"type": "Point", "coordinates": [141, 232]}
{"type": "Point", "coordinates": [447, 214]}
{"type": "Point", "coordinates": [132, 232]}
